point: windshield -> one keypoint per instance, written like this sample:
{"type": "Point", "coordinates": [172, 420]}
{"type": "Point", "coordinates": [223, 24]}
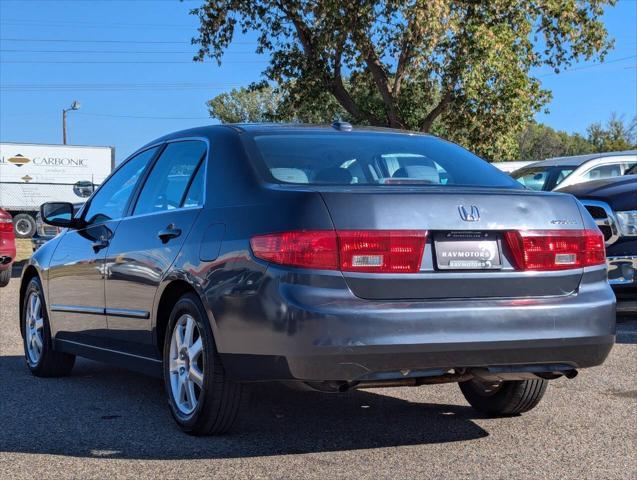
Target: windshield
{"type": "Point", "coordinates": [542, 178]}
{"type": "Point", "coordinates": [366, 158]}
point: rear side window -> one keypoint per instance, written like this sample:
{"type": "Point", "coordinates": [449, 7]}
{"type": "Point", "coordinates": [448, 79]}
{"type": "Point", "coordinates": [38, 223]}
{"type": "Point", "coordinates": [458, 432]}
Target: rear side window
{"type": "Point", "coordinates": [170, 177]}
{"type": "Point", "coordinates": [604, 171]}
{"type": "Point", "coordinates": [364, 158]}
{"type": "Point", "coordinates": [542, 178]}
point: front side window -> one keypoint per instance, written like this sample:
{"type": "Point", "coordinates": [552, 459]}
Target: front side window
{"type": "Point", "coordinates": [364, 158]}
{"type": "Point", "coordinates": [170, 177]}
{"type": "Point", "coordinates": [110, 201]}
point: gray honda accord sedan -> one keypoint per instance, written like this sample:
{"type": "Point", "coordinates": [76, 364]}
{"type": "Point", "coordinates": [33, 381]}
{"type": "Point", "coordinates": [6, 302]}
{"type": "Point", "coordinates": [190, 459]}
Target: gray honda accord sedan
{"type": "Point", "coordinates": [331, 258]}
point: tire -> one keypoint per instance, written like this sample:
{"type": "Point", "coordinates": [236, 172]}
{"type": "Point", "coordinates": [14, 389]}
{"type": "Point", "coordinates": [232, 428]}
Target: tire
{"type": "Point", "coordinates": [5, 277]}
{"type": "Point", "coordinates": [217, 400]}
{"type": "Point", "coordinates": [24, 225]}
{"type": "Point", "coordinates": [48, 362]}
{"type": "Point", "coordinates": [504, 398]}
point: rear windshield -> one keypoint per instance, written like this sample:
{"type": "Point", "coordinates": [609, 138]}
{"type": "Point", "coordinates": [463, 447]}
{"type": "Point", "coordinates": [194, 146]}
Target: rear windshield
{"type": "Point", "coordinates": [542, 178]}
{"type": "Point", "coordinates": [352, 158]}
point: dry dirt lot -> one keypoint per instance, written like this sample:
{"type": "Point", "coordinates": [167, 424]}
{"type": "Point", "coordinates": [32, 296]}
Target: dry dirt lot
{"type": "Point", "coordinates": [103, 422]}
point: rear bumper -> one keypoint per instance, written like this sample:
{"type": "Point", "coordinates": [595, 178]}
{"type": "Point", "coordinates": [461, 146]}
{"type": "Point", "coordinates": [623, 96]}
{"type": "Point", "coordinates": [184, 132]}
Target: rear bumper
{"type": "Point", "coordinates": [298, 329]}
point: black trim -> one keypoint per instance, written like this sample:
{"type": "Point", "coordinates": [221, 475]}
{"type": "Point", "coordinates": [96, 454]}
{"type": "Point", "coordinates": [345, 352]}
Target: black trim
{"type": "Point", "coordinates": [192, 179]}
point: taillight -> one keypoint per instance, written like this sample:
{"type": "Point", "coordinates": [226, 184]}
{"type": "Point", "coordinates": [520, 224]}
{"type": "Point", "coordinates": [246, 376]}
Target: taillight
{"type": "Point", "coordinates": [381, 251]}
{"type": "Point", "coordinates": [556, 249]}
{"type": "Point", "coordinates": [378, 251]}
{"type": "Point", "coordinates": [309, 249]}
{"type": "Point", "coordinates": [6, 225]}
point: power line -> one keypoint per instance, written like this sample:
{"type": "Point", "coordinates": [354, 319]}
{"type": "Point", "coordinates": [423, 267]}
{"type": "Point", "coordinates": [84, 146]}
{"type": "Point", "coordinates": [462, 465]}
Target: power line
{"type": "Point", "coordinates": [116, 87]}
{"type": "Point", "coordinates": [147, 117]}
{"type": "Point", "coordinates": [118, 62]}
{"type": "Point", "coordinates": [140, 42]}
{"type": "Point", "coordinates": [8, 50]}
{"type": "Point", "coordinates": [584, 67]}
{"type": "Point", "coordinates": [46, 23]}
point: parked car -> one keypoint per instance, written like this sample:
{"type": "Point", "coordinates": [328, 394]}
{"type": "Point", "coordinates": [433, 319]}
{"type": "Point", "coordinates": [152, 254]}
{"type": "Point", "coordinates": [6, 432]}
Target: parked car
{"type": "Point", "coordinates": [509, 167]}
{"type": "Point", "coordinates": [613, 205]}
{"type": "Point", "coordinates": [330, 257]}
{"type": "Point", "coordinates": [7, 247]}
{"type": "Point", "coordinates": [44, 232]}
{"type": "Point", "coordinates": [565, 171]}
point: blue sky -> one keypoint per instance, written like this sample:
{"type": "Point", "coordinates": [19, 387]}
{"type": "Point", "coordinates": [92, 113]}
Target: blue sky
{"type": "Point", "coordinates": [152, 87]}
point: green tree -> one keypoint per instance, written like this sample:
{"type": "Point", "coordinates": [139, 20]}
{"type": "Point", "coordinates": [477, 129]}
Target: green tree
{"type": "Point", "coordinates": [252, 104]}
{"type": "Point", "coordinates": [538, 142]}
{"type": "Point", "coordinates": [617, 135]}
{"type": "Point", "coordinates": [456, 68]}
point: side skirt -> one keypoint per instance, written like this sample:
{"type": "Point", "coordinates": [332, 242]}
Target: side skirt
{"type": "Point", "coordinates": [145, 365]}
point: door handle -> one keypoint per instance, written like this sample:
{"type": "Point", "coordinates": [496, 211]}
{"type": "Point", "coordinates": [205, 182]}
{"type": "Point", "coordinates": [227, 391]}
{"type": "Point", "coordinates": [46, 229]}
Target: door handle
{"type": "Point", "coordinates": [171, 231]}
{"type": "Point", "coordinates": [99, 244]}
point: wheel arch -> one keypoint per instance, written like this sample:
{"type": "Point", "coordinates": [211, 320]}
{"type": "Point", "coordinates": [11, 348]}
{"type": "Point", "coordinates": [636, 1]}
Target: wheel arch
{"type": "Point", "coordinates": [171, 292]}
{"type": "Point", "coordinates": [30, 272]}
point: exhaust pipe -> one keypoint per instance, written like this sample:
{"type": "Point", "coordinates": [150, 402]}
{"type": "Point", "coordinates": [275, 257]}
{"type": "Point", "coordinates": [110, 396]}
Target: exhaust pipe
{"type": "Point", "coordinates": [4, 260]}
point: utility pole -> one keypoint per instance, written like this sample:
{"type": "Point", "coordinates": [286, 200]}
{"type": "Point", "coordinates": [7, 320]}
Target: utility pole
{"type": "Point", "coordinates": [74, 106]}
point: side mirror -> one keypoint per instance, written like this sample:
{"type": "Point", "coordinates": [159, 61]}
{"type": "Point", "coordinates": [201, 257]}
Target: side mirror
{"type": "Point", "coordinates": [58, 214]}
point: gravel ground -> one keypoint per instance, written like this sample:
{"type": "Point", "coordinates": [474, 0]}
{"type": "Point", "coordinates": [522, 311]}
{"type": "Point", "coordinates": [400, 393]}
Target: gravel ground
{"type": "Point", "coordinates": [103, 422]}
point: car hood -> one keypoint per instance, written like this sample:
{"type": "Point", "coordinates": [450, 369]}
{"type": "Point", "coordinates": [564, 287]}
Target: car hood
{"type": "Point", "coordinates": [620, 192]}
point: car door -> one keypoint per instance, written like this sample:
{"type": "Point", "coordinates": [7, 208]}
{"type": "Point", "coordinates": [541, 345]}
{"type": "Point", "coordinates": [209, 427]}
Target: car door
{"type": "Point", "coordinates": [148, 240]}
{"type": "Point", "coordinates": [76, 271]}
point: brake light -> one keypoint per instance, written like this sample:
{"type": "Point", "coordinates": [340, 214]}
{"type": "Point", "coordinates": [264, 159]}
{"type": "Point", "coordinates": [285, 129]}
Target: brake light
{"type": "Point", "coordinates": [6, 225]}
{"type": "Point", "coordinates": [556, 249]}
{"type": "Point", "coordinates": [309, 249]}
{"type": "Point", "coordinates": [378, 251]}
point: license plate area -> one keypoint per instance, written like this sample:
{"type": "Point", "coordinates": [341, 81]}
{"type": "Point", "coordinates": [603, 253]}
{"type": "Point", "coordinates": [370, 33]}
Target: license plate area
{"type": "Point", "coordinates": [467, 251]}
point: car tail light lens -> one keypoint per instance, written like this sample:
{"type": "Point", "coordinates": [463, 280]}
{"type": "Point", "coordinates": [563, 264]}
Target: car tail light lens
{"type": "Point", "coordinates": [378, 251]}
{"type": "Point", "coordinates": [6, 225]}
{"type": "Point", "coordinates": [309, 249]}
{"type": "Point", "coordinates": [556, 249]}
{"type": "Point", "coordinates": [381, 251]}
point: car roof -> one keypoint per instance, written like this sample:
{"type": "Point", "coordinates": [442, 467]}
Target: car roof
{"type": "Point", "coordinates": [578, 160]}
{"type": "Point", "coordinates": [278, 127]}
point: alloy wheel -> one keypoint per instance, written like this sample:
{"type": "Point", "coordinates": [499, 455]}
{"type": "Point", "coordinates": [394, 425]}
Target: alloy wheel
{"type": "Point", "coordinates": [186, 364]}
{"type": "Point", "coordinates": [34, 328]}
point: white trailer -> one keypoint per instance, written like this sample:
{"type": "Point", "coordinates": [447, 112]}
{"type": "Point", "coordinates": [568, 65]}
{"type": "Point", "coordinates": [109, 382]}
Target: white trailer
{"type": "Point", "coordinates": [32, 174]}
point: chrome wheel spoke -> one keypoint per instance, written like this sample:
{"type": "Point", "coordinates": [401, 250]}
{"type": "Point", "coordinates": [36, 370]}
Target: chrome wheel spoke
{"type": "Point", "coordinates": [196, 375]}
{"type": "Point", "coordinates": [195, 350]}
{"type": "Point", "coordinates": [189, 330]}
{"type": "Point", "coordinates": [191, 400]}
{"type": "Point", "coordinates": [185, 368]}
{"type": "Point", "coordinates": [173, 366]}
{"type": "Point", "coordinates": [34, 328]}
{"type": "Point", "coordinates": [37, 341]}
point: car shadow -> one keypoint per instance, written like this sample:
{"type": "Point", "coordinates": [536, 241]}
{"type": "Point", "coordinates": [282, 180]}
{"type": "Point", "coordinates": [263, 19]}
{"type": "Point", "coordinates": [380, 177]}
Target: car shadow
{"type": "Point", "coordinates": [102, 411]}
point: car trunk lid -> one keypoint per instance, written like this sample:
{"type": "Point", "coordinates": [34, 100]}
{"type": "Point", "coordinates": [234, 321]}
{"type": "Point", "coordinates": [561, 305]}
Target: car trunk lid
{"type": "Point", "coordinates": [459, 222]}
